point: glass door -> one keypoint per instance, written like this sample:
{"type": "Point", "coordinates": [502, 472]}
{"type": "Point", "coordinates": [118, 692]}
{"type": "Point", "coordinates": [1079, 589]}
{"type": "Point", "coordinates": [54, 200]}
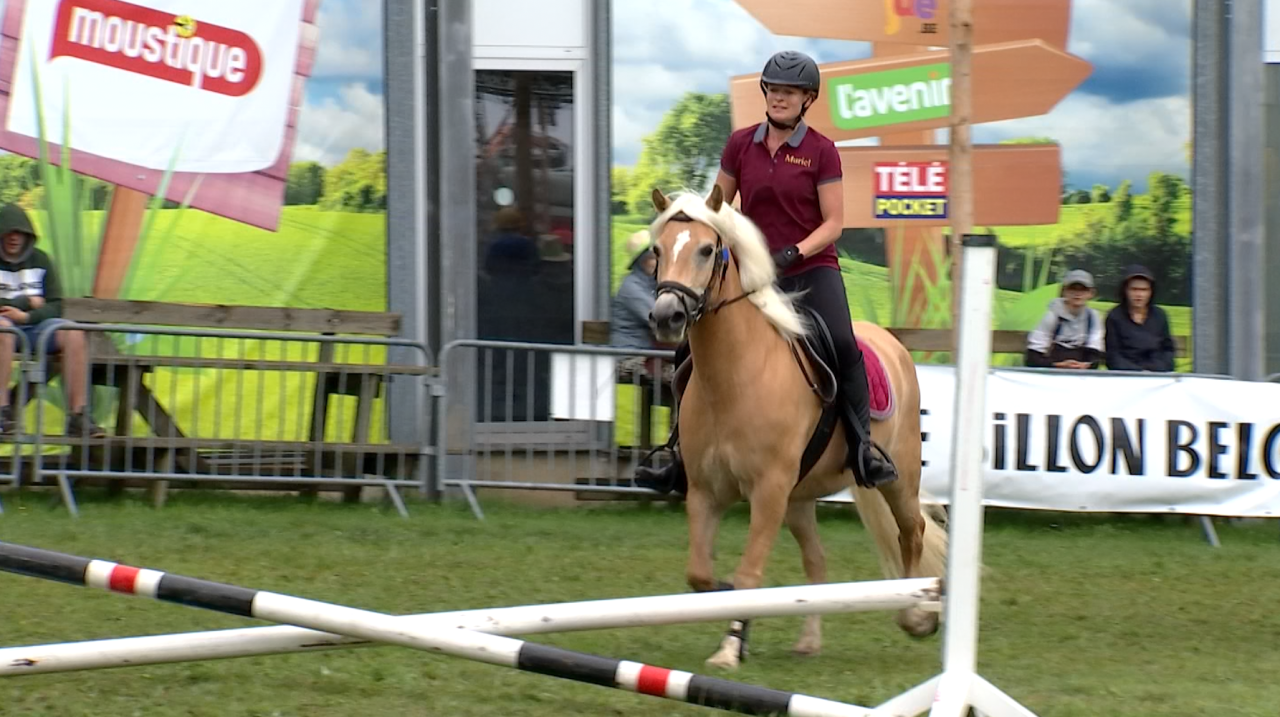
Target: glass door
{"type": "Point", "coordinates": [534, 251]}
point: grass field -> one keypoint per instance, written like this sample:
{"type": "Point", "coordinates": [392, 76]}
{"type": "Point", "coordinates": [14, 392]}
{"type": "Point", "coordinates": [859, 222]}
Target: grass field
{"type": "Point", "coordinates": [1082, 615]}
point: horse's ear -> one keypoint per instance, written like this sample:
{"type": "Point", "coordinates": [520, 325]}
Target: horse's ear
{"type": "Point", "coordinates": [660, 201]}
{"type": "Point", "coordinates": [715, 199]}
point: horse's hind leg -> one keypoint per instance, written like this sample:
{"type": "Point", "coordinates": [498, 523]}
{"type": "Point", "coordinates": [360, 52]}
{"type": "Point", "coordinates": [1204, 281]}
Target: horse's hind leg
{"type": "Point", "coordinates": [904, 502]}
{"type": "Point", "coordinates": [802, 520]}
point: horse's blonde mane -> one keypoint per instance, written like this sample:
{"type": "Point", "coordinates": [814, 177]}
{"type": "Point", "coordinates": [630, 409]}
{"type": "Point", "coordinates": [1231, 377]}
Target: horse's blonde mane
{"type": "Point", "coordinates": [755, 264]}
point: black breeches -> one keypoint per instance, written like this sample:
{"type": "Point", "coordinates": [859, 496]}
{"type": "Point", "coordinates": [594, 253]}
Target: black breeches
{"type": "Point", "coordinates": [824, 293]}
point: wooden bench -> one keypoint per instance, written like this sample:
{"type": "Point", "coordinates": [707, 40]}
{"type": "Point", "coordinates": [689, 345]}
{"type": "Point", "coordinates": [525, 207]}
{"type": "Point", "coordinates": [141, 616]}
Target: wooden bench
{"type": "Point", "coordinates": [110, 367]}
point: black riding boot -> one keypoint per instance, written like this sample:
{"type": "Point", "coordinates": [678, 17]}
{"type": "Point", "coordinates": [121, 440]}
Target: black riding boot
{"type": "Point", "coordinates": [870, 465]}
{"type": "Point", "coordinates": [671, 477]}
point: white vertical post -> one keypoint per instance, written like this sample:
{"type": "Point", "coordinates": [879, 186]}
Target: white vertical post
{"type": "Point", "coordinates": [959, 687]}
{"type": "Point", "coordinates": [967, 452]}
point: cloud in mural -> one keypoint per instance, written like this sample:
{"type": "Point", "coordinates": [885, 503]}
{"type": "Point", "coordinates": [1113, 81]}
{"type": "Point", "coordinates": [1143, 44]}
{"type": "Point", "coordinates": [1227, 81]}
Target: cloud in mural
{"type": "Point", "coordinates": [1130, 117]}
{"type": "Point", "coordinates": [331, 126]}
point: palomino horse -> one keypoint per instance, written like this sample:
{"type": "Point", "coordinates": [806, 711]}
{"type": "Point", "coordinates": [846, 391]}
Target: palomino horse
{"type": "Point", "coordinates": [749, 408]}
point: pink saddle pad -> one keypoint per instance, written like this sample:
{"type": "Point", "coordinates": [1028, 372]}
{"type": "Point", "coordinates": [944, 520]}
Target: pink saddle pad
{"type": "Point", "coordinates": [878, 382]}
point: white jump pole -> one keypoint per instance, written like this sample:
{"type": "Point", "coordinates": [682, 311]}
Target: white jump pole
{"type": "Point", "coordinates": [472, 645]}
{"type": "Point", "coordinates": [959, 686]}
{"type": "Point", "coordinates": [645, 611]}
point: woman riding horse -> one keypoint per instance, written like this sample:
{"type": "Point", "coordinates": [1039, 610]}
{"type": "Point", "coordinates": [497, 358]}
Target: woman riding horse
{"type": "Point", "coordinates": [790, 179]}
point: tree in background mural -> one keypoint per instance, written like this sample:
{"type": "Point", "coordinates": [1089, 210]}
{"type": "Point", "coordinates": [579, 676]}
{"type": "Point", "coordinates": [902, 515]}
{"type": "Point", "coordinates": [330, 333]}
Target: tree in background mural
{"type": "Point", "coordinates": [683, 153]}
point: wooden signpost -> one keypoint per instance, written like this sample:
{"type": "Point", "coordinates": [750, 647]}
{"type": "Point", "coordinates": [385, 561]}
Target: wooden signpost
{"type": "Point", "coordinates": [1003, 59]}
{"type": "Point", "coordinates": [904, 93]}
{"type": "Point", "coordinates": [913, 22]}
{"type": "Point", "coordinates": [1013, 185]}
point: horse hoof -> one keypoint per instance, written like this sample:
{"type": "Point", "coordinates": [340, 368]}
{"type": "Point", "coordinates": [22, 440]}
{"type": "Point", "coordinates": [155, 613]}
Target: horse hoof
{"type": "Point", "coordinates": [723, 662]}
{"type": "Point", "coordinates": [918, 623]}
{"type": "Point", "coordinates": [802, 650]}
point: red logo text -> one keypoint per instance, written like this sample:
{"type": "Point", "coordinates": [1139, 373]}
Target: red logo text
{"type": "Point", "coordinates": [156, 44]}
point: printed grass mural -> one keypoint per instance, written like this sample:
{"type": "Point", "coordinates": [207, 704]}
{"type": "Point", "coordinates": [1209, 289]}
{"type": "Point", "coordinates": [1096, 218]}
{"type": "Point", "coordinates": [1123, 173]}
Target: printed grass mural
{"type": "Point", "coordinates": [318, 259]}
{"type": "Point", "coordinates": [329, 252]}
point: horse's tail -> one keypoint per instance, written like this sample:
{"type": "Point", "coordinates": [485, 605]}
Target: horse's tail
{"type": "Point", "coordinates": [874, 511]}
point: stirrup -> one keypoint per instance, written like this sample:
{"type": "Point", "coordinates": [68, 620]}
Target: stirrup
{"type": "Point", "coordinates": [665, 479]}
{"type": "Point", "coordinates": [886, 471]}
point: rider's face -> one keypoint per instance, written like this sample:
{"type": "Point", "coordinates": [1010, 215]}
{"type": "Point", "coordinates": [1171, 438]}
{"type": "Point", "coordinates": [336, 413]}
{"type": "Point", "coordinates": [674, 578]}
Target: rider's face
{"type": "Point", "coordinates": [784, 103]}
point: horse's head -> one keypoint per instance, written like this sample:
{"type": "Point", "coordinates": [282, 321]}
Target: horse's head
{"type": "Point", "coordinates": [691, 256]}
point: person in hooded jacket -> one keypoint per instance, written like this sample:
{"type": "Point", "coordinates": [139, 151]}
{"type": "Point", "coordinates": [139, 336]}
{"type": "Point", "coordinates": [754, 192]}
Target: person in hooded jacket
{"type": "Point", "coordinates": [1138, 335]}
{"type": "Point", "coordinates": [31, 300]}
{"type": "Point", "coordinates": [1070, 333]}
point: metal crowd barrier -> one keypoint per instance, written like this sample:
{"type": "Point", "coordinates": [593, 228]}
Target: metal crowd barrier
{"type": "Point", "coordinates": [17, 397]}
{"type": "Point", "coordinates": [526, 416]}
{"type": "Point", "coordinates": [236, 409]}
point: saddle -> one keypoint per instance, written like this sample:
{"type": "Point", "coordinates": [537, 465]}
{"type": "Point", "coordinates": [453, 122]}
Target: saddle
{"type": "Point", "coordinates": [818, 350]}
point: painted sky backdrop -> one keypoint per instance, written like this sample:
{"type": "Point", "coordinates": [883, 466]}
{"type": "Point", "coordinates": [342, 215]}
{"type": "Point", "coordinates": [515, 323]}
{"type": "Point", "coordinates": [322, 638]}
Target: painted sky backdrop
{"type": "Point", "coordinates": [343, 105]}
{"type": "Point", "coordinates": [1131, 117]}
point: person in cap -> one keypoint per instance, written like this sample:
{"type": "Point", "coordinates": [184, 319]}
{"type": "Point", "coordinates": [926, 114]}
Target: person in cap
{"type": "Point", "coordinates": [789, 178]}
{"type": "Point", "coordinates": [1070, 335]}
{"type": "Point", "coordinates": [629, 319]}
{"type": "Point", "coordinates": [31, 301]}
{"type": "Point", "coordinates": [1138, 335]}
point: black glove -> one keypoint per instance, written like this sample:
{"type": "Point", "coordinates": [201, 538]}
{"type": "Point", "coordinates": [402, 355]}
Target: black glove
{"type": "Point", "coordinates": [787, 257]}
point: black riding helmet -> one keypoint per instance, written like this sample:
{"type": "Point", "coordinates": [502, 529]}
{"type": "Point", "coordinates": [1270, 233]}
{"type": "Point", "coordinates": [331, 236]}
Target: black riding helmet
{"type": "Point", "coordinates": [794, 69]}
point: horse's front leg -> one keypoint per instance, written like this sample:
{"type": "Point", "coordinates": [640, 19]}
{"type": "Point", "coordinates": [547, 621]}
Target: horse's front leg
{"type": "Point", "coordinates": [802, 520]}
{"type": "Point", "coordinates": [704, 514]}
{"type": "Point", "coordinates": [768, 507]}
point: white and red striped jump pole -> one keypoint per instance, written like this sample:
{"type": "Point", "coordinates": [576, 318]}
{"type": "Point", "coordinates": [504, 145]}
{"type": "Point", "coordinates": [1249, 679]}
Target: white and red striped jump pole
{"type": "Point", "coordinates": [469, 644]}
{"type": "Point", "coordinates": [645, 611]}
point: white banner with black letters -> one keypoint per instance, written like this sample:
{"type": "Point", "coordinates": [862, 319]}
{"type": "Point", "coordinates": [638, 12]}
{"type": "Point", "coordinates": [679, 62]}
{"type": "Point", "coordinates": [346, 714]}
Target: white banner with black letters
{"type": "Point", "coordinates": [1106, 442]}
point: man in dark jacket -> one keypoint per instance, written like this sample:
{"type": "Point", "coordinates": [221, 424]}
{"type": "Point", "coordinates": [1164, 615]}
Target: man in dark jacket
{"type": "Point", "coordinates": [31, 300]}
{"type": "Point", "coordinates": [1138, 336]}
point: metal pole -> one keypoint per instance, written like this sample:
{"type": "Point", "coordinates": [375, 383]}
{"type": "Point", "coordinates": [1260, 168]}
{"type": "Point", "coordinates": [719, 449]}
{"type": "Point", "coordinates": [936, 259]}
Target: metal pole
{"type": "Point", "coordinates": [455, 97]}
{"type": "Point", "coordinates": [1247, 195]}
{"type": "Point", "coordinates": [408, 282]}
{"type": "Point", "coordinates": [601, 73]}
{"type": "Point", "coordinates": [1209, 190]}
{"type": "Point", "coordinates": [1271, 81]}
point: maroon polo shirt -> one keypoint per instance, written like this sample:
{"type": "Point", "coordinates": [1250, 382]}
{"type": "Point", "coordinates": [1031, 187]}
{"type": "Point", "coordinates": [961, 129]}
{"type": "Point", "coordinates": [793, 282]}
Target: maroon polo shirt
{"type": "Point", "coordinates": [780, 192]}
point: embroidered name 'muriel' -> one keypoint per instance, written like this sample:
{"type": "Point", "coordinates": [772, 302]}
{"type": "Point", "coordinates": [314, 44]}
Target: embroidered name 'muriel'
{"type": "Point", "coordinates": [802, 161]}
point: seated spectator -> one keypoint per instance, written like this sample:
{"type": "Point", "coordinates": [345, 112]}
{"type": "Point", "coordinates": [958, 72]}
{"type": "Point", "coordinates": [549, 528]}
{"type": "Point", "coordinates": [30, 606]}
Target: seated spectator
{"type": "Point", "coordinates": [629, 323]}
{"type": "Point", "coordinates": [31, 302]}
{"type": "Point", "coordinates": [1138, 336]}
{"type": "Point", "coordinates": [1070, 334]}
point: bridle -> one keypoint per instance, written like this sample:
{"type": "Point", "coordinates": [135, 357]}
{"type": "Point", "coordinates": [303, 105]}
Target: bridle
{"type": "Point", "coordinates": [699, 299]}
